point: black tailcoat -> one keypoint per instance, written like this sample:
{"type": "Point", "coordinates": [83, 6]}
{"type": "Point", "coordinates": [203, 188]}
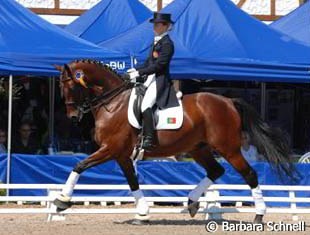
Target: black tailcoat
{"type": "Point", "coordinates": [158, 62]}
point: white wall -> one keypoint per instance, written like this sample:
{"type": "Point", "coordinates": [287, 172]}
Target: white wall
{"type": "Point", "coordinates": [251, 6]}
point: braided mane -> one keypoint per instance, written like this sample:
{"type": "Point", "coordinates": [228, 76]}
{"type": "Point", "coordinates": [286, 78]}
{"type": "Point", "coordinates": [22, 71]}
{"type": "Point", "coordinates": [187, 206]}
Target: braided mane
{"type": "Point", "coordinates": [99, 64]}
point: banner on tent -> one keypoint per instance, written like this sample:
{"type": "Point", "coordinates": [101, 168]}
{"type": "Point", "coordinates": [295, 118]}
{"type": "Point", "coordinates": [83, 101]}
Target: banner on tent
{"type": "Point", "coordinates": [117, 65]}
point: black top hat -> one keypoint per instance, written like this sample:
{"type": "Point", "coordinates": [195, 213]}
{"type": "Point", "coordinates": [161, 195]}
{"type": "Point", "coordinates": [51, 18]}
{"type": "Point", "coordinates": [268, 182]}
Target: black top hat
{"type": "Point", "coordinates": [161, 18]}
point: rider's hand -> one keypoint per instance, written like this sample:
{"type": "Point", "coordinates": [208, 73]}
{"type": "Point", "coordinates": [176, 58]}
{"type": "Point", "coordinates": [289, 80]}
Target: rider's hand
{"type": "Point", "coordinates": [133, 74]}
{"type": "Point", "coordinates": [131, 70]}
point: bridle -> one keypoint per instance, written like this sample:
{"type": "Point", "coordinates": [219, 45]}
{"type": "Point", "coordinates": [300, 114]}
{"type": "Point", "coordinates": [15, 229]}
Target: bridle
{"type": "Point", "coordinates": [62, 82]}
{"type": "Point", "coordinates": [96, 102]}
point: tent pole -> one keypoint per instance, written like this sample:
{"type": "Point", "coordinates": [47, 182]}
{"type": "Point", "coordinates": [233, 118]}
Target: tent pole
{"type": "Point", "coordinates": [263, 101]}
{"type": "Point", "coordinates": [159, 5]}
{"type": "Point", "coordinates": [8, 168]}
{"type": "Point", "coordinates": [51, 115]}
{"type": "Point", "coordinates": [131, 62]}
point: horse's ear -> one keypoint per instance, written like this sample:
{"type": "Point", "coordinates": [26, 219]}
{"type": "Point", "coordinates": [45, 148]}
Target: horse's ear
{"type": "Point", "coordinates": [58, 67]}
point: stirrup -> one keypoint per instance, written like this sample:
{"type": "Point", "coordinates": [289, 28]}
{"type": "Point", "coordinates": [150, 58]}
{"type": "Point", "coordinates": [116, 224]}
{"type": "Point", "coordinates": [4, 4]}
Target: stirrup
{"type": "Point", "coordinates": [138, 153]}
{"type": "Point", "coordinates": [148, 143]}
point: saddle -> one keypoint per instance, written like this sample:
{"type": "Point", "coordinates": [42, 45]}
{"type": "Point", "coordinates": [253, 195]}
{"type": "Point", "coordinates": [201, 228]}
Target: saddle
{"type": "Point", "coordinates": [165, 119]}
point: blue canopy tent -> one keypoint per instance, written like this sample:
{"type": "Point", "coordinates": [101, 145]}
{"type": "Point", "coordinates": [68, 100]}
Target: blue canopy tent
{"type": "Point", "coordinates": [30, 45]}
{"type": "Point", "coordinates": [108, 19]}
{"type": "Point", "coordinates": [296, 24]}
{"type": "Point", "coordinates": [215, 39]}
{"type": "Point", "coordinates": [137, 41]}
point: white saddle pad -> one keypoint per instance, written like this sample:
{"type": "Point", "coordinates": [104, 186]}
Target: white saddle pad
{"type": "Point", "coordinates": [168, 119]}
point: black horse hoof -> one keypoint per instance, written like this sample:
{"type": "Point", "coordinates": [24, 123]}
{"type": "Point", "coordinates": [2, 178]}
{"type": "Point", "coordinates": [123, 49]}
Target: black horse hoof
{"type": "Point", "coordinates": [61, 205]}
{"type": "Point", "coordinates": [258, 219]}
{"type": "Point", "coordinates": [140, 222]}
{"type": "Point", "coordinates": [192, 207]}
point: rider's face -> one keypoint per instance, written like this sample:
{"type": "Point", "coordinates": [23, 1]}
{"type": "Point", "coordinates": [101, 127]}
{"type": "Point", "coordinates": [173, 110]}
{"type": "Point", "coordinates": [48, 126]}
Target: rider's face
{"type": "Point", "coordinates": [160, 28]}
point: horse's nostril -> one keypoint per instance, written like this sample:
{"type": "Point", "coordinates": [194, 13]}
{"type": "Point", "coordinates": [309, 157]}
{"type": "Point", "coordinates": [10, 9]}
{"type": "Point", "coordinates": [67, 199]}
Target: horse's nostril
{"type": "Point", "coordinates": [74, 119]}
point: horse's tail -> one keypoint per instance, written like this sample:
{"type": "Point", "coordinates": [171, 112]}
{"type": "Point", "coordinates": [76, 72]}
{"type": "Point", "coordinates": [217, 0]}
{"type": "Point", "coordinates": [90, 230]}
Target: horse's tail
{"type": "Point", "coordinates": [270, 142]}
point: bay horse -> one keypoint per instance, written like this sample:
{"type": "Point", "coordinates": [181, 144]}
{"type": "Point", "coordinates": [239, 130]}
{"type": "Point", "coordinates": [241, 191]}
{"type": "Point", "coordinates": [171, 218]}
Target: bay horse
{"type": "Point", "coordinates": [211, 123]}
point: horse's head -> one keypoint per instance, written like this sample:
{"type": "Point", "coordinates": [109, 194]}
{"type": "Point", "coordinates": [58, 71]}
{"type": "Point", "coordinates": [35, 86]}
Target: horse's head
{"type": "Point", "coordinates": [82, 79]}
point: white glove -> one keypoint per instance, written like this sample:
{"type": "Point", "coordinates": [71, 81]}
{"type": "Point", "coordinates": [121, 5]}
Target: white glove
{"type": "Point", "coordinates": [133, 74]}
{"type": "Point", "coordinates": [131, 70]}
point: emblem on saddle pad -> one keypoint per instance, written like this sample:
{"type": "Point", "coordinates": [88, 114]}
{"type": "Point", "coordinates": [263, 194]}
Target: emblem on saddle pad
{"type": "Point", "coordinates": [171, 120]}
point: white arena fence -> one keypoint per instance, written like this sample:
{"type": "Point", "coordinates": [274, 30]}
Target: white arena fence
{"type": "Point", "coordinates": [210, 203]}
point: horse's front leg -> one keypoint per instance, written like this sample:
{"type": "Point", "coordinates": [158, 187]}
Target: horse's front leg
{"type": "Point", "coordinates": [102, 155]}
{"type": "Point", "coordinates": [127, 167]}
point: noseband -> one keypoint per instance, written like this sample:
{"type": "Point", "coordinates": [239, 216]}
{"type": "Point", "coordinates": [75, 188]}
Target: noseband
{"type": "Point", "coordinates": [63, 81]}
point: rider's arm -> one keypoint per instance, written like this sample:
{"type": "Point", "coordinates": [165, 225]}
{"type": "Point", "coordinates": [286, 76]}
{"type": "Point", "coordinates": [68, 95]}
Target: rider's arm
{"type": "Point", "coordinates": [144, 65]}
{"type": "Point", "coordinates": [162, 62]}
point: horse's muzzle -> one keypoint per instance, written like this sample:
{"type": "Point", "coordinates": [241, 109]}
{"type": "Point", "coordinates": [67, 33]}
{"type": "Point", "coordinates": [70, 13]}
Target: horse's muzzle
{"type": "Point", "coordinates": [74, 120]}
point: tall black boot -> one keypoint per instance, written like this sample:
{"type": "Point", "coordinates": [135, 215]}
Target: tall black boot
{"type": "Point", "coordinates": [148, 130]}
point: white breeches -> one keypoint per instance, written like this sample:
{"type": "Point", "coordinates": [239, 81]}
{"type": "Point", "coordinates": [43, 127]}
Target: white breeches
{"type": "Point", "coordinates": [150, 95]}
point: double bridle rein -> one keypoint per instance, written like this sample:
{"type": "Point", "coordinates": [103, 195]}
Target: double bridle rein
{"type": "Point", "coordinates": [104, 99]}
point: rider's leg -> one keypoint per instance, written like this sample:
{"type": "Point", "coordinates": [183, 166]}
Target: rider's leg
{"type": "Point", "coordinates": [147, 113]}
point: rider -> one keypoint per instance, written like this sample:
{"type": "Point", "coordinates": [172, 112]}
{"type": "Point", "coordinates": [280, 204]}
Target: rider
{"type": "Point", "coordinates": [159, 87]}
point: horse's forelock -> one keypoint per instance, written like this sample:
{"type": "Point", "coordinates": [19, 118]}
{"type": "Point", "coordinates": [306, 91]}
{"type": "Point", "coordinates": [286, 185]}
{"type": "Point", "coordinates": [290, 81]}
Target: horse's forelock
{"type": "Point", "coordinates": [67, 68]}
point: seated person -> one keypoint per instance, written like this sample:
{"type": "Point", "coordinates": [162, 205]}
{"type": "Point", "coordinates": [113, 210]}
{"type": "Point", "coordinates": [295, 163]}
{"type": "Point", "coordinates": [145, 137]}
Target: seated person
{"type": "Point", "coordinates": [249, 152]}
{"type": "Point", "coordinates": [3, 142]}
{"type": "Point", "coordinates": [24, 142]}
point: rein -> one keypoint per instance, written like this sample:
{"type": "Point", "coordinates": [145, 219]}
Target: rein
{"type": "Point", "coordinates": [103, 99]}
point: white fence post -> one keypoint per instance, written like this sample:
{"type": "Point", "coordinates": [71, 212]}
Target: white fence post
{"type": "Point", "coordinates": [213, 204]}
{"type": "Point", "coordinates": [239, 204]}
{"type": "Point", "coordinates": [52, 193]}
{"type": "Point", "coordinates": [293, 205]}
{"type": "Point", "coordinates": [103, 203]}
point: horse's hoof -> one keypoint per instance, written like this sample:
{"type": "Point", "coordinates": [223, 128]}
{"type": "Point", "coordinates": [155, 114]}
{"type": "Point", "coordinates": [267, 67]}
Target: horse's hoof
{"type": "Point", "coordinates": [61, 205]}
{"type": "Point", "coordinates": [258, 219]}
{"type": "Point", "coordinates": [141, 220]}
{"type": "Point", "coordinates": [192, 207]}
{"type": "Point", "coordinates": [142, 217]}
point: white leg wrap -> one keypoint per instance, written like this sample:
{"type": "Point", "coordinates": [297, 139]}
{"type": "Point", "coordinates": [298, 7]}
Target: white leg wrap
{"type": "Point", "coordinates": [203, 185]}
{"type": "Point", "coordinates": [71, 182]}
{"type": "Point", "coordinates": [141, 203]}
{"type": "Point", "coordinates": [260, 205]}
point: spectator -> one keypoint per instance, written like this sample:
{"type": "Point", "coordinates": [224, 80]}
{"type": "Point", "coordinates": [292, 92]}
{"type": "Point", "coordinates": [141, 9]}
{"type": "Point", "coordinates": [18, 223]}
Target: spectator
{"type": "Point", "coordinates": [24, 143]}
{"type": "Point", "coordinates": [249, 152]}
{"type": "Point", "coordinates": [3, 141]}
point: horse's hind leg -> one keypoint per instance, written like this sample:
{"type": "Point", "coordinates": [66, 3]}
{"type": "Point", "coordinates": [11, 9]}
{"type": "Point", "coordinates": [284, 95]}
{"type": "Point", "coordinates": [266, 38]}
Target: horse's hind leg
{"type": "Point", "coordinates": [62, 201]}
{"type": "Point", "coordinates": [250, 177]}
{"type": "Point", "coordinates": [214, 170]}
